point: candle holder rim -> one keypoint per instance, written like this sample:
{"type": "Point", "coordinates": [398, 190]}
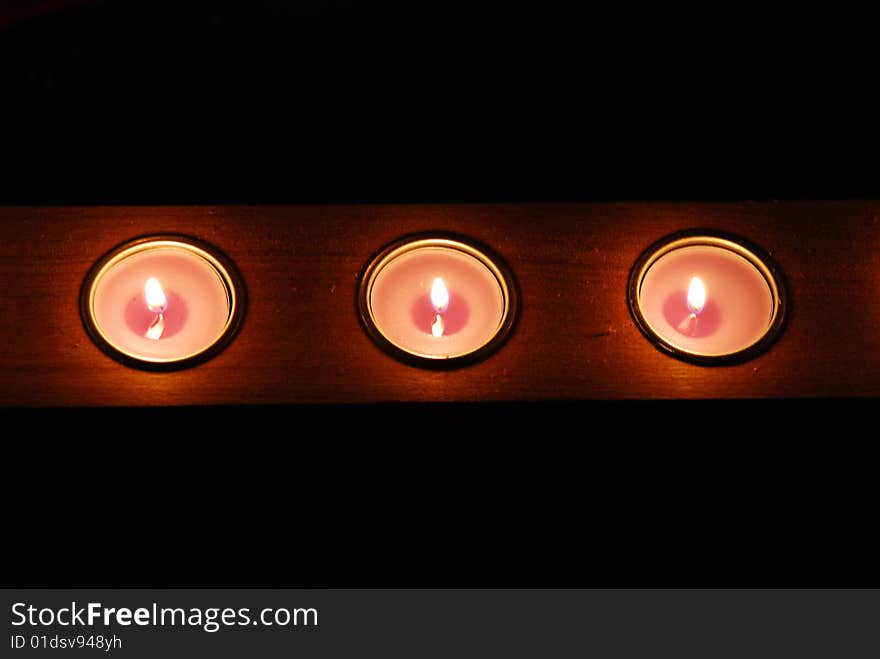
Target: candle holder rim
{"type": "Point", "coordinates": [487, 256]}
{"type": "Point", "coordinates": [758, 257]}
{"type": "Point", "coordinates": [226, 269]}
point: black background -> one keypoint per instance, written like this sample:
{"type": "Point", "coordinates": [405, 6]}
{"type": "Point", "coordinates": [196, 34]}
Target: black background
{"type": "Point", "coordinates": [127, 101]}
{"type": "Point", "coordinates": [312, 102]}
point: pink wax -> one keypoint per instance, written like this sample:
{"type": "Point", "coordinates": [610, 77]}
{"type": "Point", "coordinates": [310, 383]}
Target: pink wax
{"type": "Point", "coordinates": [402, 310]}
{"type": "Point", "coordinates": [739, 305]}
{"type": "Point", "coordinates": [197, 312]}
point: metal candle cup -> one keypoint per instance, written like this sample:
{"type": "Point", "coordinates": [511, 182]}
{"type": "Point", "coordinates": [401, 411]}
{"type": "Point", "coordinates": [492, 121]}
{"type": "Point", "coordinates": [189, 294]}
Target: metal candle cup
{"type": "Point", "coordinates": [437, 300]}
{"type": "Point", "coordinates": [162, 302]}
{"type": "Point", "coordinates": [707, 297]}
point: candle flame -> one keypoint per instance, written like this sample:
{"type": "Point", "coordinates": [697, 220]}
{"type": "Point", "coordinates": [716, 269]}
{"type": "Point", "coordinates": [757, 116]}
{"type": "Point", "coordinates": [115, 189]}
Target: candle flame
{"type": "Point", "coordinates": [439, 296]}
{"type": "Point", "coordinates": [156, 300]}
{"type": "Point", "coordinates": [437, 327]}
{"type": "Point", "coordinates": [696, 296]}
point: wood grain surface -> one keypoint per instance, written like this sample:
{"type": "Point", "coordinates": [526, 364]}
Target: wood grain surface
{"type": "Point", "coordinates": [301, 341]}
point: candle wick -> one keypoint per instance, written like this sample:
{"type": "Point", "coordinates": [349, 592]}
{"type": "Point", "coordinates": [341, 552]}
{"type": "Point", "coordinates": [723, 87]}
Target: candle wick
{"type": "Point", "coordinates": [156, 328]}
{"type": "Point", "coordinates": [437, 327]}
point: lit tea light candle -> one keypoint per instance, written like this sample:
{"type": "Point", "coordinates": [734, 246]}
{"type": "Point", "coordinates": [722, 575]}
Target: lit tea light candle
{"type": "Point", "coordinates": [162, 302]}
{"type": "Point", "coordinates": [437, 300]}
{"type": "Point", "coordinates": [707, 297]}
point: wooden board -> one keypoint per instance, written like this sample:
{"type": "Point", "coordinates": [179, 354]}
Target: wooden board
{"type": "Point", "coordinates": [301, 341]}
